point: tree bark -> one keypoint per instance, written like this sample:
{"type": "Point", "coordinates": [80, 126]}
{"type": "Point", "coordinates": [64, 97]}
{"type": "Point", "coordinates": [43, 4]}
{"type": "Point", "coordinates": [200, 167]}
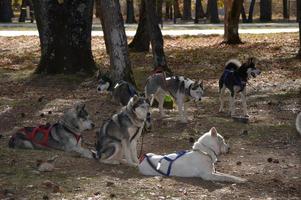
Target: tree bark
{"type": "Point", "coordinates": [5, 11]}
{"type": "Point", "coordinates": [265, 10]}
{"type": "Point", "coordinates": [212, 11]}
{"type": "Point", "coordinates": [232, 13]}
{"type": "Point", "coordinates": [119, 58]}
{"type": "Point", "coordinates": [167, 9]}
{"type": "Point", "coordinates": [158, 5]}
{"type": "Point", "coordinates": [177, 13]}
{"type": "Point", "coordinates": [65, 36]}
{"type": "Point", "coordinates": [156, 37]}
{"type": "Point", "coordinates": [130, 14]}
{"type": "Point", "coordinates": [187, 10]}
{"type": "Point", "coordinates": [285, 10]}
{"type": "Point", "coordinates": [141, 40]}
{"type": "Point", "coordinates": [243, 14]}
{"type": "Point", "coordinates": [251, 11]}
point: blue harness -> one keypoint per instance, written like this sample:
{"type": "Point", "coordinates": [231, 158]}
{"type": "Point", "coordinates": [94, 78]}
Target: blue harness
{"type": "Point", "coordinates": [229, 78]}
{"type": "Point", "coordinates": [171, 161]}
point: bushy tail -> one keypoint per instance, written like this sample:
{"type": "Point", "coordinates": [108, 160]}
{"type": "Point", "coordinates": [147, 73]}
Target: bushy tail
{"type": "Point", "coordinates": [298, 123]}
{"type": "Point", "coordinates": [232, 64]}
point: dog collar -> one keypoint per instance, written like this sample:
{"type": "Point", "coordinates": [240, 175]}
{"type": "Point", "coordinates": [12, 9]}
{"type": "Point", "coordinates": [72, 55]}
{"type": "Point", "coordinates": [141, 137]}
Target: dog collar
{"type": "Point", "coordinates": [71, 130]}
{"type": "Point", "coordinates": [211, 153]}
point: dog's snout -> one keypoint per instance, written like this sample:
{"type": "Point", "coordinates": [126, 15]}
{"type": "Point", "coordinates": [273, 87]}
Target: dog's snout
{"type": "Point", "coordinates": [93, 125]}
{"type": "Point", "coordinates": [98, 88]}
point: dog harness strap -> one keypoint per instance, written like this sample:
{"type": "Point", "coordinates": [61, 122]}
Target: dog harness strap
{"type": "Point", "coordinates": [171, 161]}
{"type": "Point", "coordinates": [153, 166]}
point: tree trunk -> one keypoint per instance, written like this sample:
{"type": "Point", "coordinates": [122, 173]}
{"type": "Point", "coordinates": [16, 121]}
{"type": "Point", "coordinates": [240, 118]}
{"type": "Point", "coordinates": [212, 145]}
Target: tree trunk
{"type": "Point", "coordinates": [5, 11]}
{"type": "Point", "coordinates": [177, 13]}
{"type": "Point", "coordinates": [265, 10]}
{"type": "Point", "coordinates": [130, 14]}
{"type": "Point", "coordinates": [243, 14]}
{"type": "Point", "coordinates": [251, 11]}
{"type": "Point", "coordinates": [299, 21]}
{"type": "Point", "coordinates": [187, 10]}
{"type": "Point", "coordinates": [141, 40]}
{"type": "Point", "coordinates": [119, 57]}
{"type": "Point", "coordinates": [158, 6]}
{"type": "Point", "coordinates": [105, 35]}
{"type": "Point", "coordinates": [285, 10]}
{"type": "Point", "coordinates": [212, 11]}
{"type": "Point", "coordinates": [167, 9]}
{"type": "Point", "coordinates": [232, 13]}
{"type": "Point", "coordinates": [65, 36]}
{"type": "Point", "coordinates": [156, 37]}
{"type": "Point", "coordinates": [199, 11]}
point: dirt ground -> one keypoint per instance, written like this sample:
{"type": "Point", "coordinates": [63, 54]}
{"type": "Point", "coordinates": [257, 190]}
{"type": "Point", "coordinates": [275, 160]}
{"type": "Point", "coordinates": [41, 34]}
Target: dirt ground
{"type": "Point", "coordinates": [266, 151]}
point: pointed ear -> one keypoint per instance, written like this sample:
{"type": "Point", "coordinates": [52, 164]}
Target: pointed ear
{"type": "Point", "coordinates": [201, 83]}
{"type": "Point", "coordinates": [135, 98]}
{"type": "Point", "coordinates": [213, 132]}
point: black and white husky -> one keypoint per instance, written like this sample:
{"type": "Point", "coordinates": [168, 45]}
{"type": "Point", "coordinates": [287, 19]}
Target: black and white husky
{"type": "Point", "coordinates": [117, 138]}
{"type": "Point", "coordinates": [179, 87]}
{"type": "Point", "coordinates": [121, 91]}
{"type": "Point", "coordinates": [64, 135]}
{"type": "Point", "coordinates": [235, 78]}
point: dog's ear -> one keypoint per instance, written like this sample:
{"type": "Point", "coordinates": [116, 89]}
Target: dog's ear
{"type": "Point", "coordinates": [252, 60]}
{"type": "Point", "coordinates": [213, 132]}
{"type": "Point", "coordinates": [135, 98]}
{"type": "Point", "coordinates": [201, 83]}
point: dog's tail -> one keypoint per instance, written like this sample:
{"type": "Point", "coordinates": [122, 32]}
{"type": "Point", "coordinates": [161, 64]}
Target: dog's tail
{"type": "Point", "coordinates": [232, 64]}
{"type": "Point", "coordinates": [298, 123]}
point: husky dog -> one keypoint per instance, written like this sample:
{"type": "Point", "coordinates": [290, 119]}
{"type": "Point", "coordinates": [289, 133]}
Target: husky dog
{"type": "Point", "coordinates": [121, 91]}
{"type": "Point", "coordinates": [158, 86]}
{"type": "Point", "coordinates": [298, 123]}
{"type": "Point", "coordinates": [117, 138]}
{"type": "Point", "coordinates": [235, 78]}
{"type": "Point", "coordinates": [199, 162]}
{"type": "Point", "coordinates": [65, 135]}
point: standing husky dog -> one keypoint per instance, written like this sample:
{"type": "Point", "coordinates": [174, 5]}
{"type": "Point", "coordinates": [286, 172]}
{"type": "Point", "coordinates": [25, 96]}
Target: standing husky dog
{"type": "Point", "coordinates": [196, 163]}
{"type": "Point", "coordinates": [235, 78]}
{"type": "Point", "coordinates": [64, 135]}
{"type": "Point", "coordinates": [118, 137]}
{"type": "Point", "coordinates": [121, 91]}
{"type": "Point", "coordinates": [158, 86]}
{"type": "Point", "coordinates": [298, 123]}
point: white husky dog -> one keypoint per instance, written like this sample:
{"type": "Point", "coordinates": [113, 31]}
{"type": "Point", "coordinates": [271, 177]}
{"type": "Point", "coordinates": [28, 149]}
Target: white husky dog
{"type": "Point", "coordinates": [199, 162]}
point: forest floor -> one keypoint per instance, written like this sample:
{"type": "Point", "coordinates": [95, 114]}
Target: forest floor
{"type": "Point", "coordinates": [266, 151]}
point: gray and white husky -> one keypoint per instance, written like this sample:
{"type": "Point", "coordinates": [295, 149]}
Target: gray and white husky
{"type": "Point", "coordinates": [298, 123]}
{"type": "Point", "coordinates": [117, 138]}
{"type": "Point", "coordinates": [199, 162]}
{"type": "Point", "coordinates": [121, 91]}
{"type": "Point", "coordinates": [64, 135]}
{"type": "Point", "coordinates": [179, 87]}
{"type": "Point", "coordinates": [235, 78]}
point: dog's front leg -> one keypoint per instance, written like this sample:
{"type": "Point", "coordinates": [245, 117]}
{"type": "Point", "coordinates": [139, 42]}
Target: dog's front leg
{"type": "Point", "coordinates": [83, 152]}
{"type": "Point", "coordinates": [182, 112]}
{"type": "Point", "coordinates": [217, 176]}
{"type": "Point", "coordinates": [244, 102]}
{"type": "Point", "coordinates": [221, 98]}
{"type": "Point", "coordinates": [126, 146]}
{"type": "Point", "coordinates": [134, 151]}
{"type": "Point", "coordinates": [232, 101]}
{"type": "Point", "coordinates": [160, 97]}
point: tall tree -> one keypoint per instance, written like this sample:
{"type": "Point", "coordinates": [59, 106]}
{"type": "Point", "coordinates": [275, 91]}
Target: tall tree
{"type": "Point", "coordinates": [232, 13]}
{"type": "Point", "coordinates": [117, 41]}
{"type": "Point", "coordinates": [212, 11]}
{"type": "Point", "coordinates": [130, 14]}
{"type": "Point", "coordinates": [158, 6]}
{"type": "Point", "coordinates": [65, 35]}
{"type": "Point", "coordinates": [6, 11]}
{"type": "Point", "coordinates": [177, 13]}
{"type": "Point", "coordinates": [168, 10]}
{"type": "Point", "coordinates": [199, 11]}
{"type": "Point", "coordinates": [141, 40]}
{"type": "Point", "coordinates": [285, 9]}
{"type": "Point", "coordinates": [265, 10]}
{"type": "Point", "coordinates": [187, 10]}
{"type": "Point", "coordinates": [251, 11]}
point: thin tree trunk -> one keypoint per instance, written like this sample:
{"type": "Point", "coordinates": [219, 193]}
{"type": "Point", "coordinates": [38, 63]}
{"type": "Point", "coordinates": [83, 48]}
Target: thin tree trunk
{"type": "Point", "coordinates": [141, 40]}
{"type": "Point", "coordinates": [213, 11]}
{"type": "Point", "coordinates": [5, 10]}
{"type": "Point", "coordinates": [156, 37]}
{"type": "Point", "coordinates": [243, 14]}
{"type": "Point", "coordinates": [177, 13]}
{"type": "Point", "coordinates": [187, 10]}
{"type": "Point", "coordinates": [265, 10]}
{"type": "Point", "coordinates": [65, 36]}
{"type": "Point", "coordinates": [119, 57]}
{"type": "Point", "coordinates": [232, 13]}
{"type": "Point", "coordinates": [251, 11]}
{"type": "Point", "coordinates": [198, 5]}
{"type": "Point", "coordinates": [130, 14]}
{"type": "Point", "coordinates": [285, 10]}
{"type": "Point", "coordinates": [158, 6]}
{"type": "Point", "coordinates": [167, 9]}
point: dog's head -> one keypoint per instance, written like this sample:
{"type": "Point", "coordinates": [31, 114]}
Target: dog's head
{"type": "Point", "coordinates": [104, 83]}
{"type": "Point", "coordinates": [213, 141]}
{"type": "Point", "coordinates": [78, 118]}
{"type": "Point", "coordinates": [197, 90]}
{"type": "Point", "coordinates": [140, 106]}
{"type": "Point", "coordinates": [250, 65]}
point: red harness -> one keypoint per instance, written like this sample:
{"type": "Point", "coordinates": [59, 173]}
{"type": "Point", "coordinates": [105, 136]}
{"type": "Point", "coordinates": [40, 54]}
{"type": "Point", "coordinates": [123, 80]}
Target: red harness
{"type": "Point", "coordinates": [40, 134]}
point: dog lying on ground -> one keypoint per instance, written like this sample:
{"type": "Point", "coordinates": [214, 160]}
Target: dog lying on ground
{"type": "Point", "coordinates": [64, 135]}
{"type": "Point", "coordinates": [158, 86]}
{"type": "Point", "coordinates": [199, 162]}
{"type": "Point", "coordinates": [117, 138]}
{"type": "Point", "coordinates": [121, 91]}
{"type": "Point", "coordinates": [235, 78]}
{"type": "Point", "coordinates": [298, 123]}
